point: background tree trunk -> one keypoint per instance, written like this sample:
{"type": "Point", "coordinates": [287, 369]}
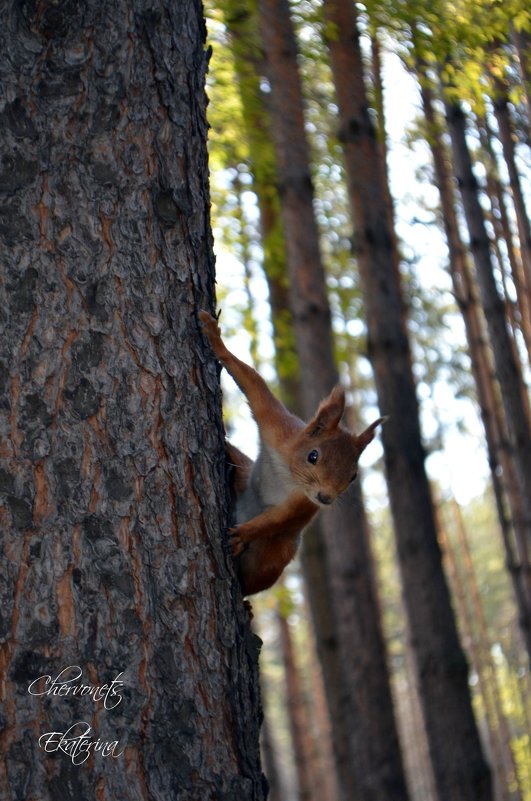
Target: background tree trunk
{"type": "Point", "coordinates": [459, 767]}
{"type": "Point", "coordinates": [513, 390]}
{"type": "Point", "coordinates": [111, 478]}
{"type": "Point", "coordinates": [505, 486]}
{"type": "Point", "coordinates": [339, 577]}
{"type": "Point", "coordinates": [306, 764]}
{"type": "Point", "coordinates": [506, 137]}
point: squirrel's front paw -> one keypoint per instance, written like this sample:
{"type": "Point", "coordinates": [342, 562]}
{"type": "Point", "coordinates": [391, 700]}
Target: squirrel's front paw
{"type": "Point", "coordinates": [237, 544]}
{"type": "Point", "coordinates": [210, 326]}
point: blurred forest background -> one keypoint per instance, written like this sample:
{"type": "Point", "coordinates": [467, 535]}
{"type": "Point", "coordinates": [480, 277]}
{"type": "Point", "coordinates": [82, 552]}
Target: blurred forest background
{"type": "Point", "coordinates": [446, 92]}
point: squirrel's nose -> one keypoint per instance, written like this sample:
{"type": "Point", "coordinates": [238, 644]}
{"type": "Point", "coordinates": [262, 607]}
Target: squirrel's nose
{"type": "Point", "coordinates": [326, 499]}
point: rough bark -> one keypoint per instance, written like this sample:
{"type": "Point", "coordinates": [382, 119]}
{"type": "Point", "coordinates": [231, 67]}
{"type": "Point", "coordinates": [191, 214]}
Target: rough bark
{"type": "Point", "coordinates": [112, 469]}
{"type": "Point", "coordinates": [339, 579]}
{"type": "Point", "coordinates": [459, 767]}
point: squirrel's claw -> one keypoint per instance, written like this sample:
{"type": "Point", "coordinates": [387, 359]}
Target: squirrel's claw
{"type": "Point", "coordinates": [237, 544]}
{"type": "Point", "coordinates": [209, 325]}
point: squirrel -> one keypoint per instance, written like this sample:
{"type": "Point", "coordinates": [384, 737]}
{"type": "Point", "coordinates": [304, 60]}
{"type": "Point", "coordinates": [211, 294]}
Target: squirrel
{"type": "Point", "coordinates": [301, 468]}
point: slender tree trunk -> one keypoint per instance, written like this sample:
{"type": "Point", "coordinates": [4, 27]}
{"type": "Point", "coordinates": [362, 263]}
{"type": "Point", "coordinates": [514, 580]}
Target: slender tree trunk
{"type": "Point", "coordinates": [328, 788]}
{"type": "Point", "coordinates": [459, 767]}
{"type": "Point", "coordinates": [378, 89]}
{"type": "Point", "coordinates": [419, 766]}
{"type": "Point", "coordinates": [300, 724]}
{"type": "Point", "coordinates": [522, 42]}
{"type": "Point", "coordinates": [478, 617]}
{"type": "Point", "coordinates": [276, 788]}
{"type": "Point", "coordinates": [243, 29]}
{"type": "Point", "coordinates": [503, 232]}
{"type": "Point", "coordinates": [480, 663]}
{"type": "Point", "coordinates": [505, 133]}
{"type": "Point", "coordinates": [112, 492]}
{"type": "Point", "coordinates": [339, 581]}
{"type": "Point", "coordinates": [241, 20]}
{"type": "Point", "coordinates": [505, 485]}
{"type": "Point", "coordinates": [507, 368]}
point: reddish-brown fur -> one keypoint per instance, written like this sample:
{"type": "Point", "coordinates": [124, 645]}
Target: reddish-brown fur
{"type": "Point", "coordinates": [300, 468]}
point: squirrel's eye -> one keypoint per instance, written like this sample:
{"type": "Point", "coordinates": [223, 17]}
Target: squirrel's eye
{"type": "Point", "coordinates": [313, 457]}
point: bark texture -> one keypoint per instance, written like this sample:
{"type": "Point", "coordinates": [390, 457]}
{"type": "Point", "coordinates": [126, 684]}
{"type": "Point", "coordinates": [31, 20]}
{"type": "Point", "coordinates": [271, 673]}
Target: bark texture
{"type": "Point", "coordinates": [111, 477]}
{"type": "Point", "coordinates": [460, 770]}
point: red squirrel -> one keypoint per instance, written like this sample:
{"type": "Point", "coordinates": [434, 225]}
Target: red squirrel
{"type": "Point", "coordinates": [301, 467]}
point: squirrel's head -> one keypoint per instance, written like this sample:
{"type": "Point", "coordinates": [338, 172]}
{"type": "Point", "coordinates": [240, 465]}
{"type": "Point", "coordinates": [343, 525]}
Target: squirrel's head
{"type": "Point", "coordinates": [324, 458]}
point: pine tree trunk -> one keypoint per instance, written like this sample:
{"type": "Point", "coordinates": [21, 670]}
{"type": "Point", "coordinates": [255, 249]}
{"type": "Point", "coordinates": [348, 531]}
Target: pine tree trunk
{"type": "Point", "coordinates": [505, 134]}
{"type": "Point", "coordinates": [419, 766]}
{"type": "Point", "coordinates": [339, 580]}
{"type": "Point", "coordinates": [378, 90]}
{"type": "Point", "coordinates": [505, 485]}
{"type": "Point", "coordinates": [522, 43]}
{"type": "Point", "coordinates": [479, 662]}
{"type": "Point", "coordinates": [299, 719]}
{"type": "Point", "coordinates": [276, 789]}
{"type": "Point", "coordinates": [507, 367]}
{"type": "Point", "coordinates": [478, 616]}
{"type": "Point", "coordinates": [240, 17]}
{"type": "Point", "coordinates": [112, 492]}
{"type": "Point", "coordinates": [459, 767]}
{"type": "Point", "coordinates": [503, 232]}
{"type": "Point", "coordinates": [328, 786]}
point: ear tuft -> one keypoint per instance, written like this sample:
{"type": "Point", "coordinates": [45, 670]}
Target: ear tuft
{"type": "Point", "coordinates": [329, 413]}
{"type": "Point", "coordinates": [363, 439]}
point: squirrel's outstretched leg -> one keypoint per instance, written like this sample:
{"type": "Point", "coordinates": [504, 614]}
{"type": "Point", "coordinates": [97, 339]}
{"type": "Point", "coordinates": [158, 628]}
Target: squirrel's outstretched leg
{"type": "Point", "coordinates": [286, 519]}
{"type": "Point", "coordinates": [272, 417]}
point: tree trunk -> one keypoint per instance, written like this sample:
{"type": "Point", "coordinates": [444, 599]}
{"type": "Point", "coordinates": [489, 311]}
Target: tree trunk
{"type": "Point", "coordinates": [507, 367]}
{"type": "Point", "coordinates": [328, 786]}
{"type": "Point", "coordinates": [479, 659]}
{"type": "Point", "coordinates": [503, 232]}
{"type": "Point", "coordinates": [505, 485]}
{"type": "Point", "coordinates": [379, 105]}
{"type": "Point", "coordinates": [306, 765]}
{"type": "Point", "coordinates": [478, 616]}
{"type": "Point", "coordinates": [522, 43]}
{"type": "Point", "coordinates": [505, 133]}
{"type": "Point", "coordinates": [460, 770]}
{"type": "Point", "coordinates": [241, 20]}
{"type": "Point", "coordinates": [339, 581]}
{"type": "Point", "coordinates": [112, 496]}
{"type": "Point", "coordinates": [276, 788]}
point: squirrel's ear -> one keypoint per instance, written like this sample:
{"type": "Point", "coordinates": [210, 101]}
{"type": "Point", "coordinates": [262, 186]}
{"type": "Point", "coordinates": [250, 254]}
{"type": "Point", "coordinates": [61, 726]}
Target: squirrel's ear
{"type": "Point", "coordinates": [329, 413]}
{"type": "Point", "coordinates": [363, 439]}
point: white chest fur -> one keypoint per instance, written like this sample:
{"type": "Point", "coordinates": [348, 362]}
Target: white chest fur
{"type": "Point", "coordinates": [270, 484]}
